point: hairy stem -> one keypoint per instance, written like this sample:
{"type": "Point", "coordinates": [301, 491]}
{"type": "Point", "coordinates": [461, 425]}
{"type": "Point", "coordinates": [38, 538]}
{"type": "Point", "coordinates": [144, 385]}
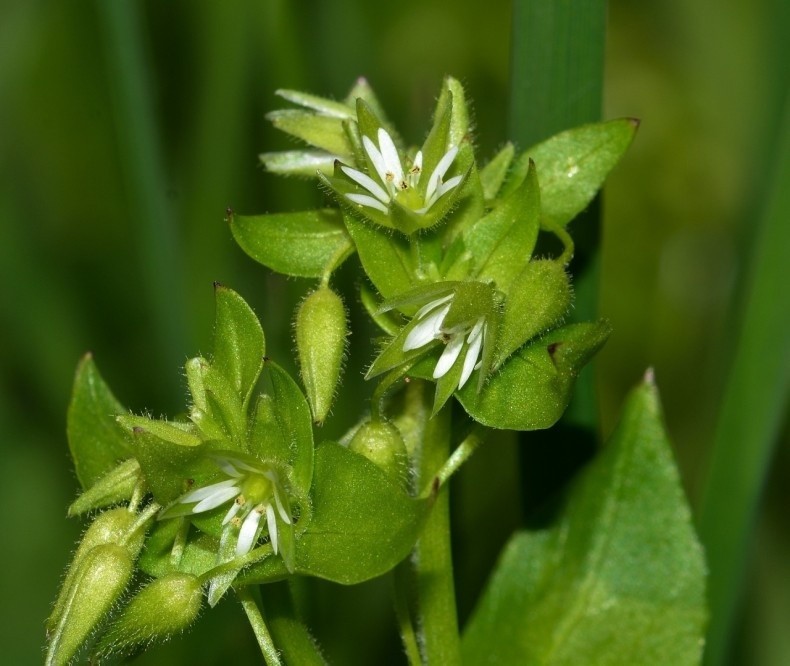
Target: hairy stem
{"type": "Point", "coordinates": [259, 628]}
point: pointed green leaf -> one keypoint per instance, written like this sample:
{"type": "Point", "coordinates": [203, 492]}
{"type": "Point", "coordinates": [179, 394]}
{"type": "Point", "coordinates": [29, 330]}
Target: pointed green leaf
{"type": "Point", "coordinates": [532, 389]}
{"type": "Point", "coordinates": [298, 162]}
{"type": "Point", "coordinates": [572, 166]}
{"type": "Point", "coordinates": [363, 523]}
{"type": "Point", "coordinates": [385, 257]}
{"type": "Point", "coordinates": [502, 241]}
{"type": "Point", "coordinates": [323, 132]}
{"type": "Point", "coordinates": [96, 441]}
{"type": "Point", "coordinates": [302, 244]}
{"type": "Point", "coordinates": [322, 105]}
{"type": "Point", "coordinates": [619, 580]}
{"type": "Point", "coordinates": [239, 345]}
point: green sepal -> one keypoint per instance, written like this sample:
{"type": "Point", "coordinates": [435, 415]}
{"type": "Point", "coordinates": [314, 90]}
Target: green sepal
{"type": "Point", "coordinates": [325, 132]}
{"type": "Point", "coordinates": [502, 242]}
{"type": "Point", "coordinates": [572, 166]}
{"type": "Point", "coordinates": [339, 184]}
{"type": "Point", "coordinates": [323, 105]}
{"type": "Point", "coordinates": [96, 441]}
{"type": "Point", "coordinates": [538, 299]}
{"type": "Point", "coordinates": [438, 140]}
{"type": "Point", "coordinates": [369, 122]}
{"type": "Point", "coordinates": [452, 90]}
{"type": "Point", "coordinates": [158, 559]}
{"type": "Point", "coordinates": [115, 486]}
{"type": "Point", "coordinates": [362, 90]}
{"type": "Point", "coordinates": [492, 175]}
{"type": "Point", "coordinates": [302, 244]}
{"type": "Point", "coordinates": [168, 453]}
{"type": "Point", "coordinates": [321, 331]}
{"type": "Point", "coordinates": [619, 578]}
{"type": "Point", "coordinates": [385, 257]}
{"type": "Point", "coordinates": [532, 389]}
{"type": "Point", "coordinates": [363, 523]}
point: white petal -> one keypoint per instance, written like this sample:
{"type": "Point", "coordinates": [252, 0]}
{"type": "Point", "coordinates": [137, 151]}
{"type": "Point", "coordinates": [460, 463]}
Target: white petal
{"type": "Point", "coordinates": [280, 508]}
{"type": "Point", "coordinates": [226, 465]}
{"type": "Point", "coordinates": [449, 356]}
{"type": "Point", "coordinates": [207, 491]}
{"type": "Point", "coordinates": [365, 200]}
{"type": "Point", "coordinates": [439, 171]}
{"type": "Point", "coordinates": [231, 514]}
{"type": "Point", "coordinates": [444, 188]}
{"type": "Point", "coordinates": [247, 532]}
{"type": "Point", "coordinates": [212, 502]}
{"type": "Point", "coordinates": [390, 154]}
{"type": "Point", "coordinates": [367, 182]}
{"type": "Point", "coordinates": [428, 329]}
{"type": "Point", "coordinates": [417, 163]}
{"type": "Point", "coordinates": [376, 158]}
{"type": "Point", "coordinates": [475, 343]}
{"type": "Point", "coordinates": [272, 523]}
{"type": "Point", "coordinates": [425, 309]}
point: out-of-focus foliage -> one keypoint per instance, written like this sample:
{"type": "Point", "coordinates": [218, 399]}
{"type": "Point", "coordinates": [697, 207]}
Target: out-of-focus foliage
{"type": "Point", "coordinates": [79, 253]}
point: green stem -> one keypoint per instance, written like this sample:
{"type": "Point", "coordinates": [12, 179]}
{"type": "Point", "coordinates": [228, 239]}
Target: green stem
{"type": "Point", "coordinates": [433, 556]}
{"type": "Point", "coordinates": [287, 629]}
{"type": "Point", "coordinates": [461, 454]}
{"type": "Point", "coordinates": [401, 577]}
{"type": "Point", "coordinates": [259, 628]}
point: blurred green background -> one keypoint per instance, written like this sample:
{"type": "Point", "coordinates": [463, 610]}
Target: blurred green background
{"type": "Point", "coordinates": [127, 129]}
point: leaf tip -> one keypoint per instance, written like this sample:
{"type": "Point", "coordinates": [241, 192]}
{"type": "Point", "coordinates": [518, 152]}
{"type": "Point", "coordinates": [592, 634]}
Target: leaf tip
{"type": "Point", "coordinates": [650, 377]}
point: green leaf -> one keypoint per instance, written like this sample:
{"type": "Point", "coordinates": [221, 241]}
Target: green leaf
{"type": "Point", "coordinates": [324, 132]}
{"type": "Point", "coordinates": [115, 486]}
{"type": "Point", "coordinates": [385, 256]}
{"type": "Point", "coordinates": [572, 166]}
{"type": "Point", "coordinates": [532, 389]}
{"type": "Point", "coordinates": [321, 337]}
{"type": "Point", "coordinates": [96, 441]}
{"type": "Point", "coordinates": [239, 344]}
{"type": "Point", "coordinates": [363, 522]}
{"type": "Point", "coordinates": [620, 579]}
{"type": "Point", "coordinates": [502, 241]}
{"type": "Point", "coordinates": [302, 244]}
{"type": "Point", "coordinates": [538, 299]}
{"type": "Point", "coordinates": [492, 175]}
{"type": "Point", "coordinates": [389, 322]}
{"type": "Point", "coordinates": [322, 105]}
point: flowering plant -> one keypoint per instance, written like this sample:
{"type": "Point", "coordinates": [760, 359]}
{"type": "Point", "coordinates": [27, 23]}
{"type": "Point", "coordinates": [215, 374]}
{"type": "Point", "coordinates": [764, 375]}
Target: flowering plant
{"type": "Point", "coordinates": [465, 271]}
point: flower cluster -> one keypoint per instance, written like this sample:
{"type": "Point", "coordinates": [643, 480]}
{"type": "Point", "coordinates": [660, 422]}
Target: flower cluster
{"type": "Point", "coordinates": [430, 327]}
{"type": "Point", "coordinates": [395, 182]}
{"type": "Point", "coordinates": [254, 489]}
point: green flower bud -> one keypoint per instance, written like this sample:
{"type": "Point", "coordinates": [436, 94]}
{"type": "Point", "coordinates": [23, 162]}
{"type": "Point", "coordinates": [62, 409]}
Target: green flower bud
{"type": "Point", "coordinates": [381, 443]}
{"type": "Point", "coordinates": [109, 527]}
{"type": "Point", "coordinates": [321, 331]}
{"type": "Point", "coordinates": [100, 579]}
{"type": "Point", "coordinates": [163, 608]}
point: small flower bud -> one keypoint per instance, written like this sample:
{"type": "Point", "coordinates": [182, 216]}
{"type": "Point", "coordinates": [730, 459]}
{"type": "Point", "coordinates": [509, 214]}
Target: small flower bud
{"type": "Point", "coordinates": [162, 608]}
{"type": "Point", "coordinates": [381, 443]}
{"type": "Point", "coordinates": [321, 331]}
{"type": "Point", "coordinates": [109, 527]}
{"type": "Point", "coordinates": [100, 579]}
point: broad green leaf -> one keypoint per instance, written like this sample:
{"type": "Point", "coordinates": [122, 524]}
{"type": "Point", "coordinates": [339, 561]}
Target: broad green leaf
{"type": "Point", "coordinates": [324, 132]}
{"type": "Point", "coordinates": [618, 580]}
{"type": "Point", "coordinates": [572, 166]}
{"type": "Point", "coordinates": [385, 257]}
{"type": "Point", "coordinates": [363, 522]}
{"type": "Point", "coordinates": [538, 299]}
{"type": "Point", "coordinates": [532, 389]}
{"type": "Point", "coordinates": [492, 175]}
{"type": "Point", "coordinates": [293, 417]}
{"type": "Point", "coordinates": [502, 241]}
{"type": "Point", "coordinates": [322, 105]}
{"type": "Point", "coordinates": [298, 162]}
{"type": "Point", "coordinates": [239, 345]}
{"type": "Point", "coordinates": [302, 244]}
{"type": "Point", "coordinates": [321, 336]}
{"type": "Point", "coordinates": [96, 441]}
{"type": "Point", "coordinates": [115, 486]}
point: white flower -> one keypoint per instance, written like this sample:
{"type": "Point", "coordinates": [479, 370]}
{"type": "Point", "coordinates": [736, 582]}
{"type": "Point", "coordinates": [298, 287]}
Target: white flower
{"type": "Point", "coordinates": [255, 490]}
{"type": "Point", "coordinates": [430, 327]}
{"type": "Point", "coordinates": [393, 180]}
